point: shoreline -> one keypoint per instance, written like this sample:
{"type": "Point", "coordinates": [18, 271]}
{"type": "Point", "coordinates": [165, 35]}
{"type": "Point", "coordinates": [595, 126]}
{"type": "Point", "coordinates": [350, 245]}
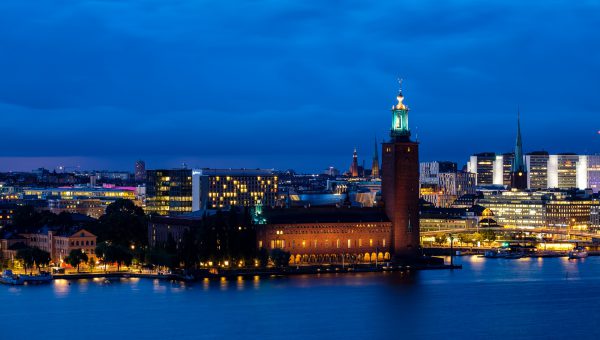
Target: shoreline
{"type": "Point", "coordinates": [234, 273]}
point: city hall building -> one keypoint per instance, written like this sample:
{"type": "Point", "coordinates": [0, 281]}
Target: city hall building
{"type": "Point", "coordinates": [327, 234]}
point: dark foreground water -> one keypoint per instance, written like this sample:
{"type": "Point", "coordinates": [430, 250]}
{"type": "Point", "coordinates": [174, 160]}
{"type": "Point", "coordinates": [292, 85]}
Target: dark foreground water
{"type": "Point", "coordinates": [489, 298]}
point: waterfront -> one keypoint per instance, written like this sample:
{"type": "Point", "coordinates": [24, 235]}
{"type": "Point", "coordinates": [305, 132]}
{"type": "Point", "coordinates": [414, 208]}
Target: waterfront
{"type": "Point", "coordinates": [497, 298]}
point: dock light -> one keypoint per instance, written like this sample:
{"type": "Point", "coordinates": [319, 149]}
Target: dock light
{"type": "Point", "coordinates": [226, 263]}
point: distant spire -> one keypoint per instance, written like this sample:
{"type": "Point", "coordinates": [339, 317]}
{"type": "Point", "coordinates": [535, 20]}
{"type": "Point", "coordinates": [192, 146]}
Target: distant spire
{"type": "Point", "coordinates": [354, 165]}
{"type": "Point", "coordinates": [375, 164]}
{"type": "Point", "coordinates": [518, 162]}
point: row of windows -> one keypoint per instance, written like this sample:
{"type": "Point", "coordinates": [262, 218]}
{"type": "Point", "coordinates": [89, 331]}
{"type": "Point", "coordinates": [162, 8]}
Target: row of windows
{"type": "Point", "coordinates": [349, 243]}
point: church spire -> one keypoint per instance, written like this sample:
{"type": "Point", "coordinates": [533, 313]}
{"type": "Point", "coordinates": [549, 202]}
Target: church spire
{"type": "Point", "coordinates": [519, 175]}
{"type": "Point", "coordinates": [518, 162]}
{"type": "Point", "coordinates": [375, 164]}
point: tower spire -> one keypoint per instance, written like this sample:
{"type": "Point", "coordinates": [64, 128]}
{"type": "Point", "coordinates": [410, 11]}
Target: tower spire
{"type": "Point", "coordinates": [375, 164]}
{"type": "Point", "coordinates": [354, 165]}
{"type": "Point", "coordinates": [518, 175]}
{"type": "Point", "coordinates": [400, 116]}
{"type": "Point", "coordinates": [518, 162]}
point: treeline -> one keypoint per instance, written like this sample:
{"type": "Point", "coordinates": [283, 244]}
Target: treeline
{"type": "Point", "coordinates": [227, 237]}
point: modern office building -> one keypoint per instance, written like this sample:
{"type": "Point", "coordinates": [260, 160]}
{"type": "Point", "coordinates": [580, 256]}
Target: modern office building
{"type": "Point", "coordinates": [225, 188]}
{"type": "Point", "coordinates": [400, 183]}
{"type": "Point", "coordinates": [569, 212]}
{"type": "Point", "coordinates": [140, 171]}
{"type": "Point", "coordinates": [520, 209]}
{"type": "Point", "coordinates": [562, 171]}
{"type": "Point", "coordinates": [482, 164]}
{"type": "Point", "coordinates": [169, 191]}
{"type": "Point", "coordinates": [503, 169]}
{"type": "Point", "coordinates": [536, 167]}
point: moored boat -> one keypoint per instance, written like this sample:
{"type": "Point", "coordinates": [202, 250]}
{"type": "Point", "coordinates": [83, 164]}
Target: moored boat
{"type": "Point", "coordinates": [9, 278]}
{"type": "Point", "coordinates": [43, 277]}
{"type": "Point", "coordinates": [578, 253]}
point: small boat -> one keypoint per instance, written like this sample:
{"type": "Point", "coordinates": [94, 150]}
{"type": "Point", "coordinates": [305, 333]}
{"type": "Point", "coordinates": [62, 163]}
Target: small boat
{"type": "Point", "coordinates": [514, 256]}
{"type": "Point", "coordinates": [492, 254]}
{"type": "Point", "coordinates": [578, 253]}
{"type": "Point", "coordinates": [8, 278]}
{"type": "Point", "coordinates": [43, 277]}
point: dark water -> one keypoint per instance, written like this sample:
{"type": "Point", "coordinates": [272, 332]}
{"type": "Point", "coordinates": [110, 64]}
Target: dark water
{"type": "Point", "coordinates": [489, 298]}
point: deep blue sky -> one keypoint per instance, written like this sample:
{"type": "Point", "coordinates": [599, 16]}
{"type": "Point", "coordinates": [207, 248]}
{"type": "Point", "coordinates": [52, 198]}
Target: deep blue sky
{"type": "Point", "coordinates": [290, 84]}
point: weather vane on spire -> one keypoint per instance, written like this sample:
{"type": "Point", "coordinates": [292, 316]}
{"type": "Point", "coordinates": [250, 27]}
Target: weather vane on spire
{"type": "Point", "coordinates": [400, 83]}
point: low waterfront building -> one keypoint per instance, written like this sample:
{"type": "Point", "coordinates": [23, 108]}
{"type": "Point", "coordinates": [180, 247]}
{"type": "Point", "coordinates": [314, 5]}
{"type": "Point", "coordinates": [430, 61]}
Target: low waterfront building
{"type": "Point", "coordinates": [161, 228]}
{"type": "Point", "coordinates": [520, 209]}
{"type": "Point", "coordinates": [54, 241]}
{"type": "Point", "coordinates": [327, 235]}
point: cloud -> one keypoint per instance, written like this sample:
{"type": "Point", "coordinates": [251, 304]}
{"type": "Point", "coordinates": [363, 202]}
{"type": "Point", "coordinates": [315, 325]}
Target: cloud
{"type": "Point", "coordinates": [210, 78]}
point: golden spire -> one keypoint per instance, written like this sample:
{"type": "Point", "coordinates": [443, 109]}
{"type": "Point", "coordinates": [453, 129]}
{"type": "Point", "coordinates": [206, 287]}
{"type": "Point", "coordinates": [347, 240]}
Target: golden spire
{"type": "Point", "coordinates": [400, 97]}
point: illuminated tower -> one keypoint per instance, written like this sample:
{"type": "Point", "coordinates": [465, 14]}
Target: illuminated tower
{"type": "Point", "coordinates": [375, 164]}
{"type": "Point", "coordinates": [354, 165]}
{"type": "Point", "coordinates": [400, 184]}
{"type": "Point", "coordinates": [518, 174]}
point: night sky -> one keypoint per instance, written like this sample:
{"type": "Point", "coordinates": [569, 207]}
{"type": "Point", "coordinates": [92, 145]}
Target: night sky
{"type": "Point", "coordinates": [278, 84]}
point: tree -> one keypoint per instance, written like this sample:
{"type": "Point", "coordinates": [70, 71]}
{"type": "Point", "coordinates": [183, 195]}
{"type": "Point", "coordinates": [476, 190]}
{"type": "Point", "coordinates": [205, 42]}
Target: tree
{"type": "Point", "coordinates": [42, 258]}
{"type": "Point", "coordinates": [488, 235]}
{"type": "Point", "coordinates": [263, 257]}
{"type": "Point", "coordinates": [102, 251]}
{"type": "Point", "coordinates": [26, 256]}
{"type": "Point", "coordinates": [464, 238]}
{"type": "Point", "coordinates": [124, 224]}
{"type": "Point", "coordinates": [440, 239]}
{"type": "Point", "coordinates": [280, 258]}
{"type": "Point", "coordinates": [76, 257]}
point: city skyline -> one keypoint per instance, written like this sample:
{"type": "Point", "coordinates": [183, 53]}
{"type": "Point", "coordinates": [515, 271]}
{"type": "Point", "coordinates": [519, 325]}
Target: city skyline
{"type": "Point", "coordinates": [131, 72]}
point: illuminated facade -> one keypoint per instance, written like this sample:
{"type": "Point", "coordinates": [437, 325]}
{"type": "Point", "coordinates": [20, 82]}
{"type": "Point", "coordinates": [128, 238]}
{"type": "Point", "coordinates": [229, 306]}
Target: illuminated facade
{"type": "Point", "coordinates": [92, 207]}
{"type": "Point", "coordinates": [59, 245]}
{"type": "Point", "coordinates": [225, 188]}
{"type": "Point", "coordinates": [536, 165]}
{"type": "Point", "coordinates": [562, 171]}
{"type": "Point", "coordinates": [327, 235]}
{"type": "Point", "coordinates": [518, 209]}
{"type": "Point", "coordinates": [482, 164]}
{"type": "Point", "coordinates": [442, 184]}
{"type": "Point", "coordinates": [572, 213]}
{"type": "Point", "coordinates": [109, 193]}
{"type": "Point", "coordinates": [503, 169]}
{"type": "Point", "coordinates": [169, 192]}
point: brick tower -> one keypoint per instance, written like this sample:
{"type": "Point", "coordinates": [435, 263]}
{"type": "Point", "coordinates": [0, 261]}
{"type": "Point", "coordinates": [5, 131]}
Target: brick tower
{"type": "Point", "coordinates": [400, 185]}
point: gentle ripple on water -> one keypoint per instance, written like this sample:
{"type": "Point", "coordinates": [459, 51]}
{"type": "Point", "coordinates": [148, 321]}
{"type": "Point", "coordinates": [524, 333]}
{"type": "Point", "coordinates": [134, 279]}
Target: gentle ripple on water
{"type": "Point", "coordinates": [489, 298]}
